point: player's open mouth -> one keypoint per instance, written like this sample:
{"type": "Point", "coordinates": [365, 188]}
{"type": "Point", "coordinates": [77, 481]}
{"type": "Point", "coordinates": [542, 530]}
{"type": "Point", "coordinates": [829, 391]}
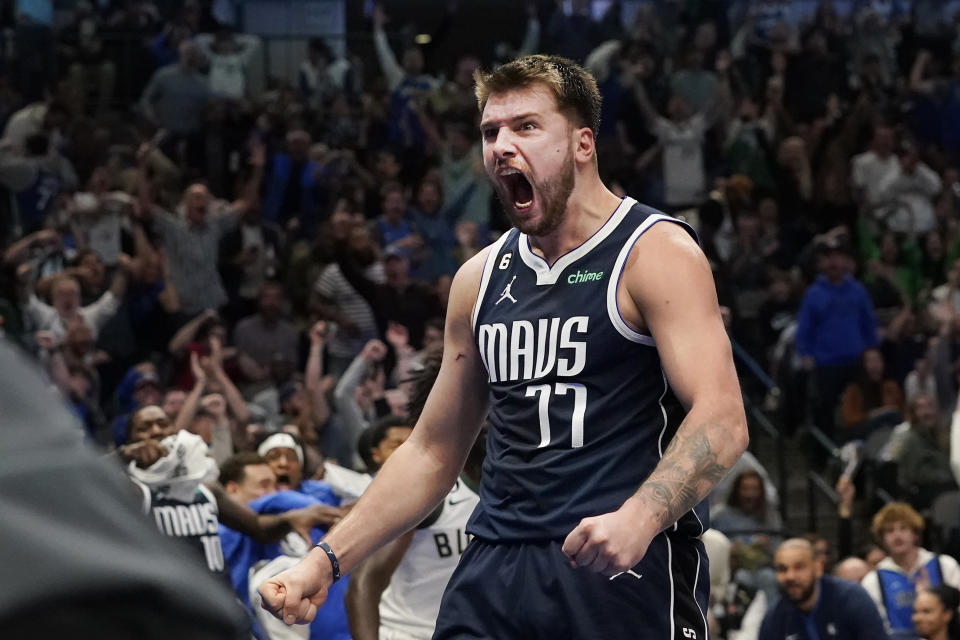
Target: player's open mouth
{"type": "Point", "coordinates": [518, 188]}
{"type": "Point", "coordinates": [283, 479]}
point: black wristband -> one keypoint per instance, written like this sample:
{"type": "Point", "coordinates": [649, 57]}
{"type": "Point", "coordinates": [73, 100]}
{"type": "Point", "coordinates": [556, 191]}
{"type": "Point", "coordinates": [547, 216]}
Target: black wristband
{"type": "Point", "coordinates": [334, 563]}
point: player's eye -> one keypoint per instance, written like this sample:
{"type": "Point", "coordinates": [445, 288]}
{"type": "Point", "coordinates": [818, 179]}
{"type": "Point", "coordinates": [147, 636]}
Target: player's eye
{"type": "Point", "coordinates": [489, 133]}
{"type": "Point", "coordinates": [527, 126]}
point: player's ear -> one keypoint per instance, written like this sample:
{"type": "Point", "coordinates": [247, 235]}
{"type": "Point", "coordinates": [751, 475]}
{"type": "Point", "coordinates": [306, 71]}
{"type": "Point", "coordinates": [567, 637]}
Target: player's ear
{"type": "Point", "coordinates": [586, 150]}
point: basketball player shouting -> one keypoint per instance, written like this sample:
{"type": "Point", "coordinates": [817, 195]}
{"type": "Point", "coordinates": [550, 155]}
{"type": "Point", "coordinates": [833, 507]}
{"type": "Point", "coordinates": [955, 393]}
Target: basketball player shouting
{"type": "Point", "coordinates": [614, 407]}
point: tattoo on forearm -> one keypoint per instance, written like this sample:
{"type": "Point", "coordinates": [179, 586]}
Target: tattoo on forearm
{"type": "Point", "coordinates": [686, 473]}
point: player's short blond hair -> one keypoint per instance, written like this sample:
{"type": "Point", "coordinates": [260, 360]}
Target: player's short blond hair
{"type": "Point", "coordinates": [573, 87]}
{"type": "Point", "coordinates": [893, 513]}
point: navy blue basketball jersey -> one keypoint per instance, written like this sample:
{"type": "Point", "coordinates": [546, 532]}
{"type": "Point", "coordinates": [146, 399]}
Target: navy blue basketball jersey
{"type": "Point", "coordinates": [580, 409]}
{"type": "Point", "coordinates": [195, 523]}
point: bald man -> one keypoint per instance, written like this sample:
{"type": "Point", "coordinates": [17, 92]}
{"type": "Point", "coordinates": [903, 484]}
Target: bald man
{"type": "Point", "coordinates": [816, 606]}
{"type": "Point", "coordinates": [852, 569]}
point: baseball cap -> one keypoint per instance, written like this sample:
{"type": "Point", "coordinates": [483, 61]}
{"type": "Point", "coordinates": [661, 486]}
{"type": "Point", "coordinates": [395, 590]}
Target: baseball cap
{"type": "Point", "coordinates": [148, 377]}
{"type": "Point", "coordinates": [280, 441]}
{"type": "Point", "coordinates": [831, 244]}
{"type": "Point", "coordinates": [394, 252]}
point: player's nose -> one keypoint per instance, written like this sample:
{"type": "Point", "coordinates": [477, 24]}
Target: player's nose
{"type": "Point", "coordinates": [503, 145]}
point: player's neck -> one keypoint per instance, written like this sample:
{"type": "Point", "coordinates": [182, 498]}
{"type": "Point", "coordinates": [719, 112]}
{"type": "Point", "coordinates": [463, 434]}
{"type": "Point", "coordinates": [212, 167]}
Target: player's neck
{"type": "Point", "coordinates": [588, 208]}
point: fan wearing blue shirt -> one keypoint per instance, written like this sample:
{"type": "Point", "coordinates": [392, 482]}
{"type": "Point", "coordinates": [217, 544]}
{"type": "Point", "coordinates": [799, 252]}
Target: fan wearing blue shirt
{"type": "Point", "coordinates": [248, 478]}
{"type": "Point", "coordinates": [814, 606]}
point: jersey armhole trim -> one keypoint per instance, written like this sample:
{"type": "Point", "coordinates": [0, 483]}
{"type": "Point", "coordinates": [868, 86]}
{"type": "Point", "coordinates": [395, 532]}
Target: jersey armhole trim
{"type": "Point", "coordinates": [147, 497]}
{"type": "Point", "coordinates": [485, 278]}
{"type": "Point", "coordinates": [613, 310]}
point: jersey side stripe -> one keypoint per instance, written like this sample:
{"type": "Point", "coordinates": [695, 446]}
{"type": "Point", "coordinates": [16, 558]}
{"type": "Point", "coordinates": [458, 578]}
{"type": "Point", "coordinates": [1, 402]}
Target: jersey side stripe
{"type": "Point", "coordinates": [696, 578]}
{"type": "Point", "coordinates": [612, 309]}
{"type": "Point", "coordinates": [485, 278]}
{"type": "Point", "coordinates": [663, 412]}
{"type": "Point", "coordinates": [673, 628]}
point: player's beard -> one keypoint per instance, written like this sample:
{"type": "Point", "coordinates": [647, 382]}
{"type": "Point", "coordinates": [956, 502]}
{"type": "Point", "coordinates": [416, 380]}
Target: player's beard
{"type": "Point", "coordinates": [552, 195]}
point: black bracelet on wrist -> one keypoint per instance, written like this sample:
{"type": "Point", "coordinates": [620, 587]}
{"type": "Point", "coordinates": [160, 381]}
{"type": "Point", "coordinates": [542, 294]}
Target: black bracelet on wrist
{"type": "Point", "coordinates": [334, 563]}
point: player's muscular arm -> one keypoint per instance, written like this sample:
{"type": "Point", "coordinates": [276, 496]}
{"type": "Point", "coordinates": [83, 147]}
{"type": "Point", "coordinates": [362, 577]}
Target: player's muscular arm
{"type": "Point", "coordinates": [667, 291]}
{"type": "Point", "coordinates": [417, 475]}
{"type": "Point", "coordinates": [695, 352]}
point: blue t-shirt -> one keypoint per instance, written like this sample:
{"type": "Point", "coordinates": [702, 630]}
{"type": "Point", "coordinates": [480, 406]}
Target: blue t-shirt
{"type": "Point", "coordinates": [242, 552]}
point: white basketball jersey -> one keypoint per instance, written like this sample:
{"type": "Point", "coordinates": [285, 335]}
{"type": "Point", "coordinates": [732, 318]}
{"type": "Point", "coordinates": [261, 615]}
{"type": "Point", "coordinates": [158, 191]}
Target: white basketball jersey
{"type": "Point", "coordinates": [411, 602]}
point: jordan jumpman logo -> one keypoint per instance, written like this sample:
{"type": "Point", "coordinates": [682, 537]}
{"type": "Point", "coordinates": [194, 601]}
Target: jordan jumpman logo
{"type": "Point", "coordinates": [506, 293]}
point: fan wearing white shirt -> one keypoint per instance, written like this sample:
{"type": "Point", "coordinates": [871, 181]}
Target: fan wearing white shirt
{"type": "Point", "coordinates": [230, 56]}
{"type": "Point", "coordinates": [871, 166]}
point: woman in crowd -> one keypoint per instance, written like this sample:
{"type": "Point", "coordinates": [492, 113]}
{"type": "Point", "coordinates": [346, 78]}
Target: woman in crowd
{"type": "Point", "coordinates": [935, 613]}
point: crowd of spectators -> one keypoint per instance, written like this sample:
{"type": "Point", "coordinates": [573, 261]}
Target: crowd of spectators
{"type": "Point", "coordinates": [272, 255]}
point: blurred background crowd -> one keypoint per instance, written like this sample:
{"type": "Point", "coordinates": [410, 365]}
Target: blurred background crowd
{"type": "Point", "coordinates": [248, 214]}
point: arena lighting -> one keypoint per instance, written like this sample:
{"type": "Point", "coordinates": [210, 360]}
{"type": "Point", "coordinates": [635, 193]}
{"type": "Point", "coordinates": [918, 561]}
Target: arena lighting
{"type": "Point", "coordinates": [423, 38]}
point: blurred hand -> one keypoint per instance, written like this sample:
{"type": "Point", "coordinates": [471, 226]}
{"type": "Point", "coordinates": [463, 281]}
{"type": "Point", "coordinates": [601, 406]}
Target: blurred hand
{"type": "Point", "coordinates": [24, 271]}
{"type": "Point", "coordinates": [318, 333]}
{"type": "Point", "coordinates": [397, 335]}
{"type": "Point", "coordinates": [143, 453]}
{"type": "Point", "coordinates": [216, 353]}
{"type": "Point", "coordinates": [126, 264]}
{"type": "Point", "coordinates": [847, 493]}
{"type": "Point", "coordinates": [45, 340]}
{"type": "Point", "coordinates": [215, 404]}
{"type": "Point", "coordinates": [199, 373]}
{"type": "Point", "coordinates": [374, 351]}
{"type": "Point", "coordinates": [319, 515]}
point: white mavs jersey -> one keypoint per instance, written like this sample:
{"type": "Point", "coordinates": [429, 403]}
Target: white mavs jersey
{"type": "Point", "coordinates": [411, 602]}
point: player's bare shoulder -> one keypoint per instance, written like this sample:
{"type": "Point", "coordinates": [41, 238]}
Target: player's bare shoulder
{"type": "Point", "coordinates": [666, 246]}
{"type": "Point", "coordinates": [466, 283]}
{"type": "Point", "coordinates": [665, 267]}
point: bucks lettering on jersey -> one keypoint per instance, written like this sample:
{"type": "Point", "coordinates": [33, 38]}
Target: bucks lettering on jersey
{"type": "Point", "coordinates": [195, 523]}
{"type": "Point", "coordinates": [580, 410]}
{"type": "Point", "coordinates": [411, 602]}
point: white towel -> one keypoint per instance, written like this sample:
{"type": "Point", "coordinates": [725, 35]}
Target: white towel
{"type": "Point", "coordinates": [178, 474]}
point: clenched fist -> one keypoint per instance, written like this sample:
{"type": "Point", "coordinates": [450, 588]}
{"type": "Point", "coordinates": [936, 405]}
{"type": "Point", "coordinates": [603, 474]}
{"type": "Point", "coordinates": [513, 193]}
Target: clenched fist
{"type": "Point", "coordinates": [295, 595]}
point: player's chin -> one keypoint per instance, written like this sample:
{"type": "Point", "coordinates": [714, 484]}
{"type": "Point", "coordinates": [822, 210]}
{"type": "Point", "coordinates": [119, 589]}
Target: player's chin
{"type": "Point", "coordinates": [528, 220]}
